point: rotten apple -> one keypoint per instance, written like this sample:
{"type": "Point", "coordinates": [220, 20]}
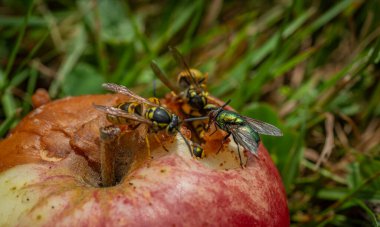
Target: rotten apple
{"type": "Point", "coordinates": [50, 175]}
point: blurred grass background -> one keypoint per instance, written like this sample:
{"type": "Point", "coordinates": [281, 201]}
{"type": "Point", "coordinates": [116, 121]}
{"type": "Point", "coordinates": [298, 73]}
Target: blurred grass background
{"type": "Point", "coordinates": [308, 67]}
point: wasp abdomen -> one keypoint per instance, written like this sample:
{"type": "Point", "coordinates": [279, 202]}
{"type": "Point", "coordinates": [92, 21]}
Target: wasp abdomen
{"type": "Point", "coordinates": [198, 152]}
{"type": "Point", "coordinates": [129, 107]}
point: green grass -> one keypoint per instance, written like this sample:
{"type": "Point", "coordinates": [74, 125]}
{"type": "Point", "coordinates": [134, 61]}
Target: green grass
{"type": "Point", "coordinates": [309, 68]}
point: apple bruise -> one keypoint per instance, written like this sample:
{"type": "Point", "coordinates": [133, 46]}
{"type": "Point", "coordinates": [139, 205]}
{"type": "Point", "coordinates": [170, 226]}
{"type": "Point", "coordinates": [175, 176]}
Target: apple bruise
{"type": "Point", "coordinates": [60, 187]}
{"type": "Point", "coordinates": [52, 131]}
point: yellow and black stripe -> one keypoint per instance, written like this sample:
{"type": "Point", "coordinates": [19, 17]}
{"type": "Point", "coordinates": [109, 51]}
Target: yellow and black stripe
{"type": "Point", "coordinates": [129, 107]}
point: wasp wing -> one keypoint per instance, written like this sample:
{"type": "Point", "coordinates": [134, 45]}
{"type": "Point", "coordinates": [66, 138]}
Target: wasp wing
{"type": "Point", "coordinates": [181, 61]}
{"type": "Point", "coordinates": [179, 58]}
{"type": "Point", "coordinates": [121, 113]}
{"type": "Point", "coordinates": [125, 91]}
{"type": "Point", "coordinates": [263, 127]}
{"type": "Point", "coordinates": [161, 75]}
{"type": "Point", "coordinates": [243, 137]}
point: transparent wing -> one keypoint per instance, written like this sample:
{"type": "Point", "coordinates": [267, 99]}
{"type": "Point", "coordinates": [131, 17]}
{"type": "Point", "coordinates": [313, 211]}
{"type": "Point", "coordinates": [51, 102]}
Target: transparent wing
{"type": "Point", "coordinates": [161, 75]}
{"type": "Point", "coordinates": [120, 113]}
{"type": "Point", "coordinates": [262, 127]}
{"type": "Point", "coordinates": [242, 135]}
{"type": "Point", "coordinates": [125, 91]}
{"type": "Point", "coordinates": [181, 61]}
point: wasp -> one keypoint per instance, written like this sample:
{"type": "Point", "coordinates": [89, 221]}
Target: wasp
{"type": "Point", "coordinates": [190, 87]}
{"type": "Point", "coordinates": [198, 151]}
{"type": "Point", "coordinates": [244, 130]}
{"type": "Point", "coordinates": [129, 107]}
{"type": "Point", "coordinates": [191, 90]}
{"type": "Point", "coordinates": [157, 117]}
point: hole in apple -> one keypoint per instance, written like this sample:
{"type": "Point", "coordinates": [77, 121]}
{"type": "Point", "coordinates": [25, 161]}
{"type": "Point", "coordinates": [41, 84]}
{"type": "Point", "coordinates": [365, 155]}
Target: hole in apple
{"type": "Point", "coordinates": [113, 152]}
{"type": "Point", "coordinates": [122, 151]}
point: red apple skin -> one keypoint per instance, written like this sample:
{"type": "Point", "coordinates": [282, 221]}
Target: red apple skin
{"type": "Point", "coordinates": [171, 189]}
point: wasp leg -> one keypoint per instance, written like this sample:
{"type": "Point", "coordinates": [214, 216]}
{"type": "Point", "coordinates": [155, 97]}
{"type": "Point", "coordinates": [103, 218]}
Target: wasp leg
{"type": "Point", "coordinates": [159, 141]}
{"type": "Point", "coordinates": [238, 150]}
{"type": "Point", "coordinates": [148, 145]}
{"type": "Point", "coordinates": [108, 147]}
{"type": "Point", "coordinates": [134, 127]}
{"type": "Point", "coordinates": [197, 136]}
{"type": "Point", "coordinates": [224, 140]}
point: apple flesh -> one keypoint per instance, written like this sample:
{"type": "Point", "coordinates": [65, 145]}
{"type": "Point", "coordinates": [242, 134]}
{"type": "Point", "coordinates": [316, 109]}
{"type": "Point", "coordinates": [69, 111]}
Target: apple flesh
{"type": "Point", "coordinates": [50, 176]}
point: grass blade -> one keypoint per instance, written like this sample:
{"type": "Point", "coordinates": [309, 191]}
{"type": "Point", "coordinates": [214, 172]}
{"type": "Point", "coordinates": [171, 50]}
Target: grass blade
{"type": "Point", "coordinates": [19, 39]}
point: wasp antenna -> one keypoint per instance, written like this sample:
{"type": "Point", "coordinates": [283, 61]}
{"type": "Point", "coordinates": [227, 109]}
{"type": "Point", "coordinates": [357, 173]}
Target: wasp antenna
{"type": "Point", "coordinates": [196, 119]}
{"type": "Point", "coordinates": [186, 141]}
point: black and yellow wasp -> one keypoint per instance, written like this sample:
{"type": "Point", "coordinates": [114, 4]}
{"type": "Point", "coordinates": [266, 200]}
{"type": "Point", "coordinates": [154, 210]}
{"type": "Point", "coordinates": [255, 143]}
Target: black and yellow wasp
{"type": "Point", "coordinates": [192, 92]}
{"type": "Point", "coordinates": [190, 87]}
{"type": "Point", "coordinates": [129, 107]}
{"type": "Point", "coordinates": [244, 130]}
{"type": "Point", "coordinates": [157, 117]}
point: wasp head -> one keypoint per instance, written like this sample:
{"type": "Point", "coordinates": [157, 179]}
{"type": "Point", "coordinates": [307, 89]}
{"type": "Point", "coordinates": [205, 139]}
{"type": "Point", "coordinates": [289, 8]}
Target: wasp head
{"type": "Point", "coordinates": [185, 80]}
{"type": "Point", "coordinates": [173, 125]}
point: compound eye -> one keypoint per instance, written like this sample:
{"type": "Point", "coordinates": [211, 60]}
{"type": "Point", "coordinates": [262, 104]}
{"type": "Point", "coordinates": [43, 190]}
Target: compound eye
{"type": "Point", "coordinates": [171, 130]}
{"type": "Point", "coordinates": [183, 81]}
